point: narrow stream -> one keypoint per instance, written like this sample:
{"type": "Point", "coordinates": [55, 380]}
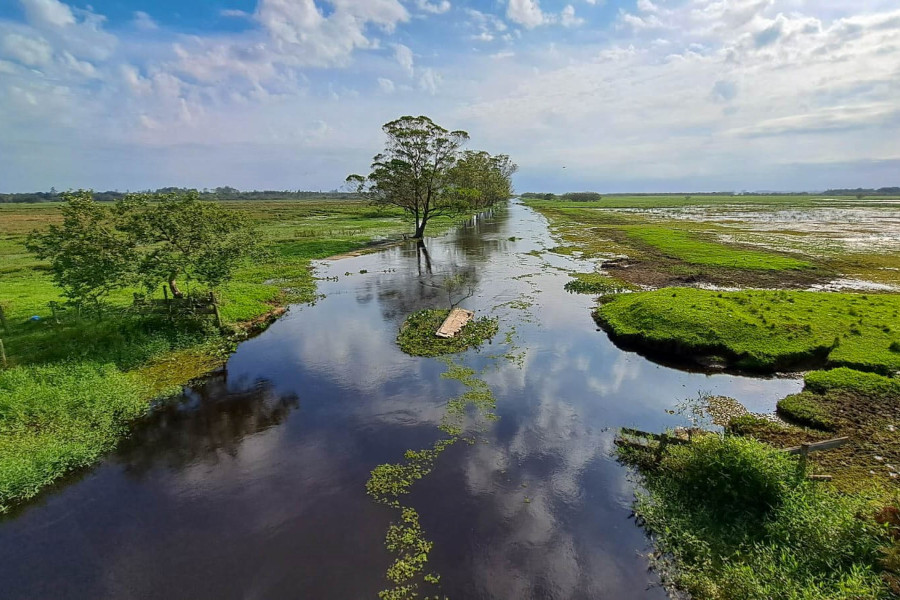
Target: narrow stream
{"type": "Point", "coordinates": [253, 484]}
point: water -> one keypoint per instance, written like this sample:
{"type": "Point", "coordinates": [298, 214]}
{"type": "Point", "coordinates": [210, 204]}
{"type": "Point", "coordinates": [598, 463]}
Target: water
{"type": "Point", "coordinates": [253, 484]}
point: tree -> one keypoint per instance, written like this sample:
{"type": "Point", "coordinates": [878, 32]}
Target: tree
{"type": "Point", "coordinates": [481, 179]}
{"type": "Point", "coordinates": [414, 171]}
{"type": "Point", "coordinates": [89, 255]}
{"type": "Point", "coordinates": [183, 236]}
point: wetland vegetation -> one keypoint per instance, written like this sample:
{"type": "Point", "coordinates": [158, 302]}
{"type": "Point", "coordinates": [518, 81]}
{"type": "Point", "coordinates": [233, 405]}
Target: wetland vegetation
{"type": "Point", "coordinates": [731, 515]}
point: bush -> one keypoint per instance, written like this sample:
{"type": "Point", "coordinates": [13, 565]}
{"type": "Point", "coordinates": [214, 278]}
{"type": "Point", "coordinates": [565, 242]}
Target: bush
{"type": "Point", "coordinates": [732, 476]}
{"type": "Point", "coordinates": [735, 522]}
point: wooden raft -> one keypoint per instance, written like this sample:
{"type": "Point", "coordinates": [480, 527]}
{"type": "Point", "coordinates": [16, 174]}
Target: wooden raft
{"type": "Point", "coordinates": [455, 321]}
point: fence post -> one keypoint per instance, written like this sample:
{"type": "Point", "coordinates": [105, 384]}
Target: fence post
{"type": "Point", "coordinates": [2, 353]}
{"type": "Point", "coordinates": [3, 319]}
{"type": "Point", "coordinates": [663, 442]}
{"type": "Point", "coordinates": [804, 453]}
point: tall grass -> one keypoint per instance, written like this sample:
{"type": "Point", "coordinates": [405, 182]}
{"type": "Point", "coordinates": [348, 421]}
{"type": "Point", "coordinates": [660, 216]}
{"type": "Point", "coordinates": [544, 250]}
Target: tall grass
{"type": "Point", "coordinates": [56, 418]}
{"type": "Point", "coordinates": [737, 523]}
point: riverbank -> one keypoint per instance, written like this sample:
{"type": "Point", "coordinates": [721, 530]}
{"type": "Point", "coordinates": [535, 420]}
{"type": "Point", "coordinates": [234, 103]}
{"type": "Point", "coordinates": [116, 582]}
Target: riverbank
{"type": "Point", "coordinates": [678, 281]}
{"type": "Point", "coordinates": [73, 385]}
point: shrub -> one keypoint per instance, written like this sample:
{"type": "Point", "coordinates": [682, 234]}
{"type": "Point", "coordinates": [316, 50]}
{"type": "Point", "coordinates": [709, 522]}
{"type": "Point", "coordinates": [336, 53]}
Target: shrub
{"type": "Point", "coordinates": [732, 475]}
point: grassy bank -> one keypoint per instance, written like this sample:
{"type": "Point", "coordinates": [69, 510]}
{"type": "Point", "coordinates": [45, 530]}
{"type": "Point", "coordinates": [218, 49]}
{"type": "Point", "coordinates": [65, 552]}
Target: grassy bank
{"type": "Point", "coordinates": [733, 520]}
{"type": "Point", "coordinates": [72, 387]}
{"type": "Point", "coordinates": [761, 330]}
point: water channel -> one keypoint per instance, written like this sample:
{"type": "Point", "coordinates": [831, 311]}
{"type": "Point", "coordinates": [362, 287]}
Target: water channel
{"type": "Point", "coordinates": [252, 485]}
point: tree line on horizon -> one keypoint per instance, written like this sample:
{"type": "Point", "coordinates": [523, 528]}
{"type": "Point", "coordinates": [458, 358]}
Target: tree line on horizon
{"type": "Point", "coordinates": [218, 193]}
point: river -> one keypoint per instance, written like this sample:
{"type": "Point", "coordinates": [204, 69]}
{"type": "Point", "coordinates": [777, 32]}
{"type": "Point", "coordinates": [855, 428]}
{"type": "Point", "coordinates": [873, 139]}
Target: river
{"type": "Point", "coordinates": [252, 485]}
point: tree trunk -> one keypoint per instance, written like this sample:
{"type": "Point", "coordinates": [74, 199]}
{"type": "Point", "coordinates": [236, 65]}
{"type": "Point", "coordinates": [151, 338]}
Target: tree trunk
{"type": "Point", "coordinates": [420, 230]}
{"type": "Point", "coordinates": [176, 293]}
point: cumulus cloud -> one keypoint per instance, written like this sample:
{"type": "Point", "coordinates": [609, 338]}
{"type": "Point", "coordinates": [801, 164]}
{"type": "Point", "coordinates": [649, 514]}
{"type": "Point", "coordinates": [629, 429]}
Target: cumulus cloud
{"type": "Point", "coordinates": [526, 13]}
{"type": "Point", "coordinates": [30, 51]}
{"type": "Point", "coordinates": [435, 8]}
{"type": "Point", "coordinates": [701, 91]}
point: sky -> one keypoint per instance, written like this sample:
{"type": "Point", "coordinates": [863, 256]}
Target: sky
{"type": "Point", "coordinates": [605, 95]}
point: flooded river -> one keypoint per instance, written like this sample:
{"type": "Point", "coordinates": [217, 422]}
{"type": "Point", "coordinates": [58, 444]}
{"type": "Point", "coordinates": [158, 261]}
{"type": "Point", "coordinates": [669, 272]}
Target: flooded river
{"type": "Point", "coordinates": [253, 485]}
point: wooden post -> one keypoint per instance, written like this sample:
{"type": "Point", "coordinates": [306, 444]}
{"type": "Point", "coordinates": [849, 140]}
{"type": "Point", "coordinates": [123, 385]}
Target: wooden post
{"type": "Point", "coordinates": [215, 306]}
{"type": "Point", "coordinates": [663, 442]}
{"type": "Point", "coordinates": [2, 353]}
{"type": "Point", "coordinates": [3, 319]}
{"type": "Point", "coordinates": [804, 453]}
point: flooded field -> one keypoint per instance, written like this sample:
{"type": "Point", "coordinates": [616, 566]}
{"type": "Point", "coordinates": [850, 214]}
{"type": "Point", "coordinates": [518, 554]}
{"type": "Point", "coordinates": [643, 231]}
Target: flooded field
{"type": "Point", "coordinates": [253, 484]}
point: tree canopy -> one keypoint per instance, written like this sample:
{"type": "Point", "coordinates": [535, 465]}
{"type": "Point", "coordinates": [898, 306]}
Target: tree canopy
{"type": "Point", "coordinates": [142, 239]}
{"type": "Point", "coordinates": [424, 171]}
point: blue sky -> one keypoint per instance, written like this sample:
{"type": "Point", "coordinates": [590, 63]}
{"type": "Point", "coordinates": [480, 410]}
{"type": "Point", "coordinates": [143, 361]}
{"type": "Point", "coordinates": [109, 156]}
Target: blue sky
{"type": "Point", "coordinates": [643, 95]}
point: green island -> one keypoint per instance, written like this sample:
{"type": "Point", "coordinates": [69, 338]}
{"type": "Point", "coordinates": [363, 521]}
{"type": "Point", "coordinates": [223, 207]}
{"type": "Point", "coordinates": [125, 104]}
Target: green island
{"type": "Point", "coordinates": [417, 334]}
{"type": "Point", "coordinates": [739, 282]}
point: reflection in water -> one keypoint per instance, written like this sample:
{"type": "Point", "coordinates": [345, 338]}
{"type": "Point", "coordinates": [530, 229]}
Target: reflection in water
{"type": "Point", "coordinates": [205, 424]}
{"type": "Point", "coordinates": [242, 491]}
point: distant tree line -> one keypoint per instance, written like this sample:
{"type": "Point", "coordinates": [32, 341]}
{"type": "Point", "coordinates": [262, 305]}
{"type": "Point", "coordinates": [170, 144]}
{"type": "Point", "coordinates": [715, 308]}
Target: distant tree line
{"type": "Point", "coordinates": [219, 193]}
{"type": "Point", "coordinates": [885, 191]}
{"type": "Point", "coordinates": [592, 196]}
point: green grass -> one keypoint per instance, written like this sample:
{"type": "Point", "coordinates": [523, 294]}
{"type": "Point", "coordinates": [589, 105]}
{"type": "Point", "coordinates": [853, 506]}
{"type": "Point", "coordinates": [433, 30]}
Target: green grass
{"type": "Point", "coordinates": [849, 380]}
{"type": "Point", "coordinates": [56, 418]}
{"type": "Point", "coordinates": [417, 336]}
{"type": "Point", "coordinates": [597, 283]}
{"type": "Point", "coordinates": [729, 241]}
{"type": "Point", "coordinates": [73, 387]}
{"type": "Point", "coordinates": [733, 521]}
{"type": "Point", "coordinates": [689, 248]}
{"type": "Point", "coordinates": [761, 330]}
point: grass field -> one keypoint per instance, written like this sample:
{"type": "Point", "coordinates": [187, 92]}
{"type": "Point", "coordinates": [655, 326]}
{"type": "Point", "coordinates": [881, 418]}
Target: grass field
{"type": "Point", "coordinates": [735, 241]}
{"type": "Point", "coordinates": [762, 329]}
{"type": "Point", "coordinates": [72, 387]}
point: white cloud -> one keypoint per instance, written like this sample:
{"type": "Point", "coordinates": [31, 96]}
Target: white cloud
{"type": "Point", "coordinates": [144, 22]}
{"type": "Point", "coordinates": [386, 85]}
{"type": "Point", "coordinates": [567, 17]}
{"type": "Point", "coordinates": [699, 91]}
{"type": "Point", "coordinates": [30, 51]}
{"type": "Point", "coordinates": [435, 8]}
{"type": "Point", "coordinates": [429, 81]}
{"type": "Point", "coordinates": [234, 13]}
{"type": "Point", "coordinates": [526, 13]}
{"type": "Point", "coordinates": [404, 57]}
{"type": "Point", "coordinates": [50, 13]}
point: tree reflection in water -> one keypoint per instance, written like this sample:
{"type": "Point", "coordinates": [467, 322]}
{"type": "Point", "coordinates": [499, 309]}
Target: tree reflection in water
{"type": "Point", "coordinates": [206, 424]}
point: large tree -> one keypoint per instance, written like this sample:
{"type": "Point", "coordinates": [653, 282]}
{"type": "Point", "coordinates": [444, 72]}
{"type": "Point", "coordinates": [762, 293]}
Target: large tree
{"type": "Point", "coordinates": [89, 254]}
{"type": "Point", "coordinates": [142, 239]}
{"type": "Point", "coordinates": [183, 236]}
{"type": "Point", "coordinates": [414, 171]}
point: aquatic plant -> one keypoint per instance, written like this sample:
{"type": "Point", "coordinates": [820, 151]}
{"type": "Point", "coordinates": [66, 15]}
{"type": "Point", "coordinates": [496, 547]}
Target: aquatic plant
{"type": "Point", "coordinates": [389, 482]}
{"type": "Point", "coordinates": [417, 335]}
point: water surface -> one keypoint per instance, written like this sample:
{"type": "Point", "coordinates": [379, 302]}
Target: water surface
{"type": "Point", "coordinates": [253, 484]}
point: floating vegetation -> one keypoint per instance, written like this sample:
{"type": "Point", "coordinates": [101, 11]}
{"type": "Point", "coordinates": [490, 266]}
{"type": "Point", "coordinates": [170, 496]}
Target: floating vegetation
{"type": "Point", "coordinates": [417, 336]}
{"type": "Point", "coordinates": [389, 482]}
